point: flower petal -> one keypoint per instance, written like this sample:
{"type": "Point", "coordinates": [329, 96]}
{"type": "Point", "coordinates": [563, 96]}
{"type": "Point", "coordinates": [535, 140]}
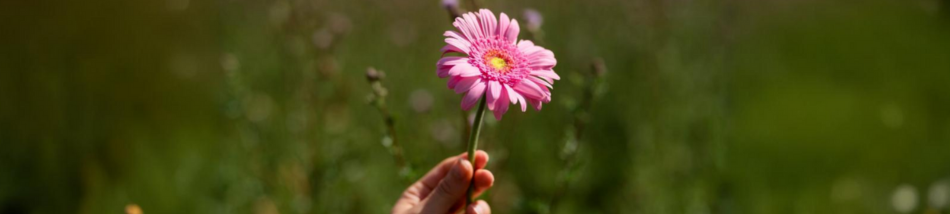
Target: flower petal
{"type": "Point", "coordinates": [541, 53]}
{"type": "Point", "coordinates": [443, 70]}
{"type": "Point", "coordinates": [545, 79]}
{"type": "Point", "coordinates": [494, 92]}
{"type": "Point", "coordinates": [512, 95]}
{"type": "Point", "coordinates": [503, 23]}
{"type": "Point", "coordinates": [536, 103]}
{"type": "Point", "coordinates": [543, 62]}
{"type": "Point", "coordinates": [451, 60]}
{"type": "Point", "coordinates": [546, 74]}
{"type": "Point", "coordinates": [462, 25]}
{"type": "Point", "coordinates": [542, 82]}
{"type": "Point", "coordinates": [464, 69]}
{"type": "Point", "coordinates": [466, 84]}
{"type": "Point", "coordinates": [501, 106]}
{"type": "Point", "coordinates": [524, 104]}
{"type": "Point", "coordinates": [455, 45]}
{"type": "Point", "coordinates": [454, 81]}
{"type": "Point", "coordinates": [530, 90]}
{"type": "Point", "coordinates": [528, 48]}
{"type": "Point", "coordinates": [488, 21]}
{"type": "Point", "coordinates": [472, 22]}
{"type": "Point", "coordinates": [472, 96]}
{"type": "Point", "coordinates": [547, 92]}
{"type": "Point", "coordinates": [512, 33]}
{"type": "Point", "coordinates": [456, 35]}
{"type": "Point", "coordinates": [525, 44]}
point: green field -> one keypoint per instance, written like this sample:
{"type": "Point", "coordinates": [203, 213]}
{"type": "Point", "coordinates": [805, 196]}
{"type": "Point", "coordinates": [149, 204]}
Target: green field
{"type": "Point", "coordinates": [262, 106]}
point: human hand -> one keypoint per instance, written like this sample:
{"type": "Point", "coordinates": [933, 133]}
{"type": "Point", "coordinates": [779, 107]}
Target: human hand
{"type": "Point", "coordinates": [442, 189]}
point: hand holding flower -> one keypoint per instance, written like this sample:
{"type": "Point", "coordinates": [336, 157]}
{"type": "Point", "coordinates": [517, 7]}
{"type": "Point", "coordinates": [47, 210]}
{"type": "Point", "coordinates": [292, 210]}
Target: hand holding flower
{"type": "Point", "coordinates": [442, 189]}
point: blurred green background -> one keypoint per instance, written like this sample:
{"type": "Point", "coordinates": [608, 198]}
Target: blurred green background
{"type": "Point", "coordinates": [261, 106]}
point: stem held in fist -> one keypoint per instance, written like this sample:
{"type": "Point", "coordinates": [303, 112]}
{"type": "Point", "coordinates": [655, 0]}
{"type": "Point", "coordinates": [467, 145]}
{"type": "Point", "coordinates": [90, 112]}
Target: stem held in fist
{"type": "Point", "coordinates": [472, 144]}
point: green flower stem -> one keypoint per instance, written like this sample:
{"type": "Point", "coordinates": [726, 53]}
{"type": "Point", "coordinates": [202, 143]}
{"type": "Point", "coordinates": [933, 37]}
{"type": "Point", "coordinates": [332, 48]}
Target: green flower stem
{"type": "Point", "coordinates": [472, 144]}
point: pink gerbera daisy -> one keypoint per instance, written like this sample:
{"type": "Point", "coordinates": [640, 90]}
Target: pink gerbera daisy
{"type": "Point", "coordinates": [497, 65]}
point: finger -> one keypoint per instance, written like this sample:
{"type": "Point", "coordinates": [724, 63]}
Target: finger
{"type": "Point", "coordinates": [481, 158]}
{"type": "Point", "coordinates": [484, 179]}
{"type": "Point", "coordinates": [480, 207]}
{"type": "Point", "coordinates": [421, 189]}
{"type": "Point", "coordinates": [450, 189]}
{"type": "Point", "coordinates": [427, 183]}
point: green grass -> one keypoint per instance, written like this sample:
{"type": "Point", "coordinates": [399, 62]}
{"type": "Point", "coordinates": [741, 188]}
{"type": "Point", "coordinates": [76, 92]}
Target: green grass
{"type": "Point", "coordinates": [229, 106]}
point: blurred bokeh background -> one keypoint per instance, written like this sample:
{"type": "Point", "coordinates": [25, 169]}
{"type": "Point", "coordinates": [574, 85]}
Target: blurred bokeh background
{"type": "Point", "coordinates": [665, 106]}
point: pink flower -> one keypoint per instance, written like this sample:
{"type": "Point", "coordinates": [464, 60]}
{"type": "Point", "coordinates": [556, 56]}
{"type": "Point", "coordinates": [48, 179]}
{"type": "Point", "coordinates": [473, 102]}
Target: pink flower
{"type": "Point", "coordinates": [507, 71]}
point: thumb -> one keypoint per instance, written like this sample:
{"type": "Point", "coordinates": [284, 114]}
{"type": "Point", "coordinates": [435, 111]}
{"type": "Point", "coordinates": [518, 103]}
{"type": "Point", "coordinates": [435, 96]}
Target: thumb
{"type": "Point", "coordinates": [450, 189]}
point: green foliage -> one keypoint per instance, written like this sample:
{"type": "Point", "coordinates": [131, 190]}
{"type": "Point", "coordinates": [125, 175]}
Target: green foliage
{"type": "Point", "coordinates": [247, 106]}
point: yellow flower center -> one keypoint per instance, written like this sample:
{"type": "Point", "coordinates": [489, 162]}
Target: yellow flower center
{"type": "Point", "coordinates": [498, 63]}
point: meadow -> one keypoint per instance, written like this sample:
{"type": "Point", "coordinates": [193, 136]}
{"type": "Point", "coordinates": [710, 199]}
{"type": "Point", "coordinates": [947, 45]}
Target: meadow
{"type": "Point", "coordinates": [664, 106]}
